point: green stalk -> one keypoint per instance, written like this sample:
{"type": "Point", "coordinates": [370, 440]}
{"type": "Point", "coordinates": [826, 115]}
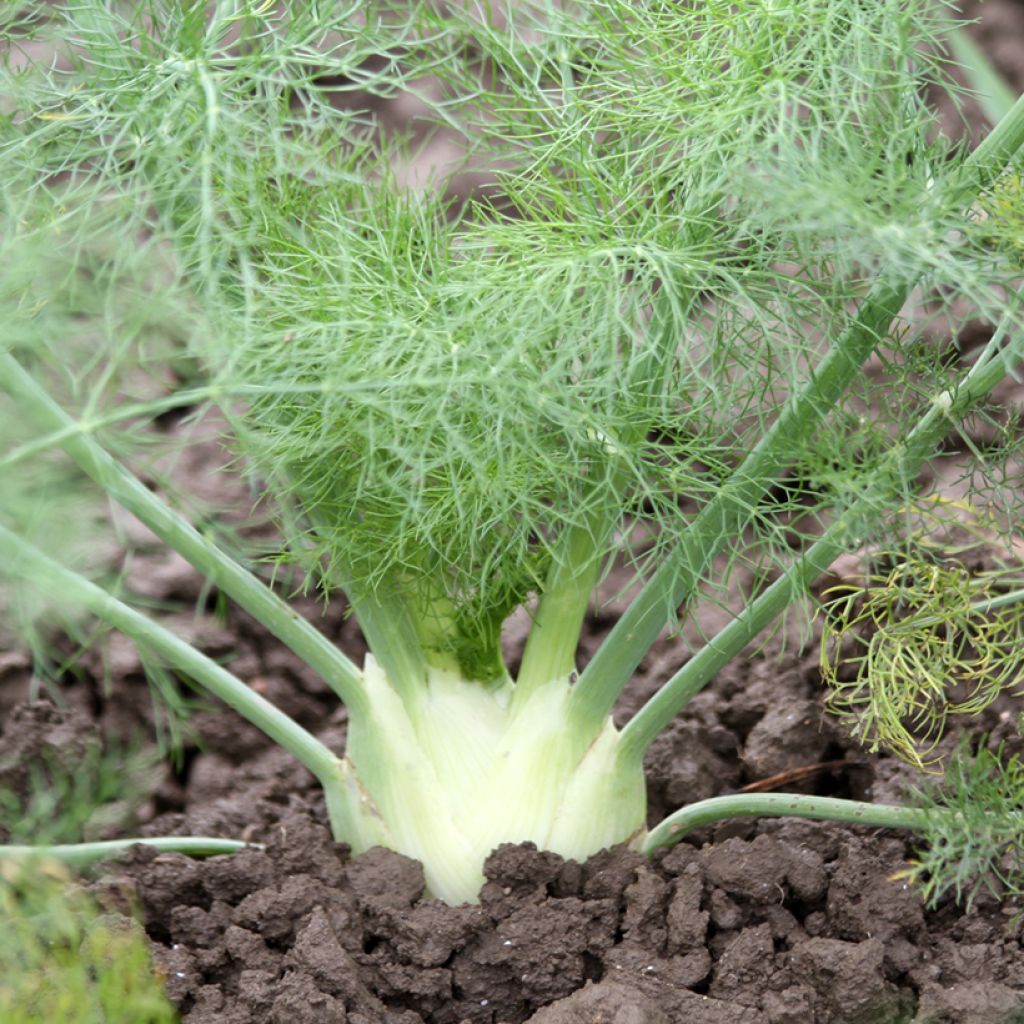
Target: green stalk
{"type": "Point", "coordinates": [550, 651]}
{"type": "Point", "coordinates": [724, 517]}
{"type": "Point", "coordinates": [986, 163]}
{"type": "Point", "coordinates": [994, 96]}
{"type": "Point", "coordinates": [980, 607]}
{"type": "Point", "coordinates": [780, 805]}
{"type": "Point", "coordinates": [239, 584]}
{"type": "Point", "coordinates": [80, 854]}
{"type": "Point", "coordinates": [390, 633]}
{"type": "Point", "coordinates": [553, 640]}
{"type": "Point", "coordinates": [903, 462]}
{"type": "Point", "coordinates": [27, 561]}
{"type": "Point", "coordinates": [644, 727]}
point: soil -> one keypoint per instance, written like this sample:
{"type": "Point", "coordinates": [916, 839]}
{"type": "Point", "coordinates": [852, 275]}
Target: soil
{"type": "Point", "coordinates": [764, 922]}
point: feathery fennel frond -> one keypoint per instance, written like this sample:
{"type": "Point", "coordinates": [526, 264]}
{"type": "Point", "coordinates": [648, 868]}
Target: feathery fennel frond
{"type": "Point", "coordinates": [975, 831]}
{"type": "Point", "coordinates": [438, 395]}
{"type": "Point", "coordinates": [534, 385]}
{"type": "Point", "coordinates": [918, 644]}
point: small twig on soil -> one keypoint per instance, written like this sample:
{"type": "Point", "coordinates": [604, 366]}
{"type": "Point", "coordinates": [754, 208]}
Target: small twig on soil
{"type": "Point", "coordinates": [781, 779]}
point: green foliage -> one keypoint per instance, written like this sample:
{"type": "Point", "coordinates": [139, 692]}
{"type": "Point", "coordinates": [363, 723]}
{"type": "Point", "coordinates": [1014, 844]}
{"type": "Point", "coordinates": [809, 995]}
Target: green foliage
{"type": "Point", "coordinates": [62, 959]}
{"type": "Point", "coordinates": [1000, 218]}
{"type": "Point", "coordinates": [438, 394]}
{"type": "Point", "coordinates": [917, 644]}
{"type": "Point", "coordinates": [976, 828]}
{"type": "Point", "coordinates": [101, 323]}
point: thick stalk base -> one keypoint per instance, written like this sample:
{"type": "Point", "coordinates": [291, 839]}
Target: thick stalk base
{"type": "Point", "coordinates": [465, 770]}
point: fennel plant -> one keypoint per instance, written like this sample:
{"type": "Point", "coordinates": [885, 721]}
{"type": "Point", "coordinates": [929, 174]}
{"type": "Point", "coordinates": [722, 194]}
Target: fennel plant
{"type": "Point", "coordinates": [708, 239]}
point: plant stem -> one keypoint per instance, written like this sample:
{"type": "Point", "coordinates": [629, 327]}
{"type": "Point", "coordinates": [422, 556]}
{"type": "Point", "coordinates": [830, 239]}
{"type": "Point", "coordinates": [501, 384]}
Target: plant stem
{"type": "Point", "coordinates": [239, 584]}
{"type": "Point", "coordinates": [553, 640]}
{"type": "Point", "coordinates": [981, 606]}
{"type": "Point", "coordinates": [391, 635]}
{"type": "Point", "coordinates": [903, 462]}
{"type": "Point", "coordinates": [86, 853]}
{"type": "Point", "coordinates": [724, 517]}
{"type": "Point", "coordinates": [987, 162]}
{"type": "Point", "coordinates": [994, 96]}
{"type": "Point", "coordinates": [27, 561]}
{"type": "Point", "coordinates": [780, 805]}
{"type": "Point", "coordinates": [554, 635]}
{"type": "Point", "coordinates": [654, 716]}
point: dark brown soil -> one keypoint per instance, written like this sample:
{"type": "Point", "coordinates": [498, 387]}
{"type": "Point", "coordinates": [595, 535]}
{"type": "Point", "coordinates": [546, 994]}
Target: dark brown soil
{"type": "Point", "coordinates": [770, 922]}
{"type": "Point", "coordinates": [794, 923]}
